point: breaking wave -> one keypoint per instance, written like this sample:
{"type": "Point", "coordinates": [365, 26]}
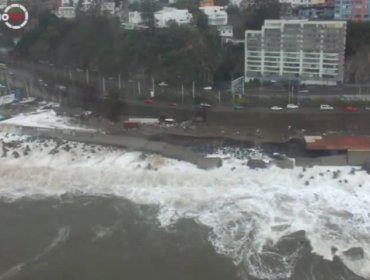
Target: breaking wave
{"type": "Point", "coordinates": [248, 211]}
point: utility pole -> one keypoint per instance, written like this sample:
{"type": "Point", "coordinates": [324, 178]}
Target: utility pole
{"type": "Point", "coordinates": [153, 86]}
{"type": "Point", "coordinates": [138, 88]}
{"type": "Point", "coordinates": [103, 86]}
{"type": "Point", "coordinates": [182, 94]}
{"type": "Point", "coordinates": [219, 97]}
{"type": "Point", "coordinates": [7, 82]}
{"type": "Point", "coordinates": [87, 76]}
{"type": "Point", "coordinates": [70, 76]}
{"type": "Point", "coordinates": [27, 89]}
{"type": "Point", "coordinates": [31, 86]}
{"type": "Point", "coordinates": [119, 81]}
{"type": "Point", "coordinates": [193, 89]}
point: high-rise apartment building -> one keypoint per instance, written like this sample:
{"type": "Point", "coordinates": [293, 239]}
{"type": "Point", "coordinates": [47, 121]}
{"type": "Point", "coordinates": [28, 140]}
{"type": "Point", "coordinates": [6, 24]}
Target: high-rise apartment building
{"type": "Point", "coordinates": [358, 10]}
{"type": "Point", "coordinates": [311, 51]}
{"type": "Point", "coordinates": [303, 2]}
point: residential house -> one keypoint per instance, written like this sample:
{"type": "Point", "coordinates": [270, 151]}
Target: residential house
{"type": "Point", "coordinates": [216, 15]}
{"type": "Point", "coordinates": [167, 15]}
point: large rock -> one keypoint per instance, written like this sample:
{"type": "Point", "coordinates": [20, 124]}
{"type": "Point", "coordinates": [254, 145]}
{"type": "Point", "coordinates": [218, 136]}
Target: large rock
{"type": "Point", "coordinates": [209, 163]}
{"type": "Point", "coordinates": [286, 163]}
{"type": "Point", "coordinates": [366, 167]}
{"type": "Point", "coordinates": [355, 253]}
{"type": "Point", "coordinates": [256, 163]}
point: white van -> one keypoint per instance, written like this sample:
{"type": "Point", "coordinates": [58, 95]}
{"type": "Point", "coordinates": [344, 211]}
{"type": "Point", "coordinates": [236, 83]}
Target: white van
{"type": "Point", "coordinates": [326, 107]}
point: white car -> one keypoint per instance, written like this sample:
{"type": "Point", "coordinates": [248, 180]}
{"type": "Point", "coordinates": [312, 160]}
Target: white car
{"type": "Point", "coordinates": [292, 106]}
{"type": "Point", "coordinates": [326, 107]}
{"type": "Point", "coordinates": [204, 104]}
{"type": "Point", "coordinates": [276, 108]}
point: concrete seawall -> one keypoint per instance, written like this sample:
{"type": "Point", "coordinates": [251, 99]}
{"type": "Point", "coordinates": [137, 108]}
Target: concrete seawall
{"type": "Point", "coordinates": [128, 142]}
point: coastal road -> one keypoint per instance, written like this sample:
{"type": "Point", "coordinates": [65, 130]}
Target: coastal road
{"type": "Point", "coordinates": [23, 77]}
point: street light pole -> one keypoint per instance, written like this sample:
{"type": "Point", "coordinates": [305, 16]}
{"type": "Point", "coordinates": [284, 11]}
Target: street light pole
{"type": "Point", "coordinates": [70, 75]}
{"type": "Point", "coordinates": [153, 86]}
{"type": "Point", "coordinates": [193, 89]}
{"type": "Point", "coordinates": [138, 88]}
{"type": "Point", "coordinates": [103, 85]}
{"type": "Point", "coordinates": [87, 76]}
{"type": "Point", "coordinates": [182, 94]}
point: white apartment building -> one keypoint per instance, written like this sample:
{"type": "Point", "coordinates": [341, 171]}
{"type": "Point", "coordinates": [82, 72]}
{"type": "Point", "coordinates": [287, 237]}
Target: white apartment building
{"type": "Point", "coordinates": [108, 7]}
{"type": "Point", "coordinates": [225, 31]}
{"type": "Point", "coordinates": [134, 18]}
{"type": "Point", "coordinates": [3, 4]}
{"type": "Point", "coordinates": [303, 2]}
{"type": "Point", "coordinates": [216, 15]}
{"type": "Point", "coordinates": [311, 51]}
{"type": "Point", "coordinates": [163, 17]}
{"type": "Point", "coordinates": [68, 12]}
{"type": "Point", "coordinates": [167, 15]}
{"type": "Point", "coordinates": [68, 3]}
{"type": "Point", "coordinates": [68, 7]}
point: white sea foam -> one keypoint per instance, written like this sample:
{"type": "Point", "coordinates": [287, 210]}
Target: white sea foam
{"type": "Point", "coordinates": [245, 209]}
{"type": "Point", "coordinates": [45, 119]}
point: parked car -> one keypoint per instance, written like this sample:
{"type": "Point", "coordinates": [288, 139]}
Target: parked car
{"type": "Point", "coordinates": [292, 106]}
{"type": "Point", "coordinates": [148, 101]}
{"type": "Point", "coordinates": [326, 107]}
{"type": "Point", "coordinates": [238, 107]}
{"type": "Point", "coordinates": [205, 105]}
{"type": "Point", "coordinates": [367, 108]}
{"type": "Point", "coordinates": [349, 109]}
{"type": "Point", "coordinates": [173, 104]}
{"type": "Point", "coordinates": [276, 108]}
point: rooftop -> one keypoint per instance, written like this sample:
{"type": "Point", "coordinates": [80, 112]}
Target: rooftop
{"type": "Point", "coordinates": [337, 142]}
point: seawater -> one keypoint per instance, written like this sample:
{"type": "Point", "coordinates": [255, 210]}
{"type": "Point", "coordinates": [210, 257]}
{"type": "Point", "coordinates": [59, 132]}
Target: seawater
{"type": "Point", "coordinates": [76, 211]}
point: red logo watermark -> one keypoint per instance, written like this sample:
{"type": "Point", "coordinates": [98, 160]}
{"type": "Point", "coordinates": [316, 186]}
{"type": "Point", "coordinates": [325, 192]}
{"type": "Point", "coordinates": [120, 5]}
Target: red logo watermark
{"type": "Point", "coordinates": [15, 16]}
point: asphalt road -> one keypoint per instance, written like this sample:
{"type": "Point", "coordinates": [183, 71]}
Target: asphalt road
{"type": "Point", "coordinates": [216, 108]}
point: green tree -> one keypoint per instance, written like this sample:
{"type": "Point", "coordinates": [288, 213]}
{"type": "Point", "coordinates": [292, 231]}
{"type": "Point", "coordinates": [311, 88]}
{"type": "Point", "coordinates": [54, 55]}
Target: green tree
{"type": "Point", "coordinates": [191, 5]}
{"type": "Point", "coordinates": [253, 17]}
{"type": "Point", "coordinates": [200, 19]}
{"type": "Point", "coordinates": [267, 9]}
{"type": "Point", "coordinates": [222, 2]}
{"type": "Point", "coordinates": [115, 106]}
{"type": "Point", "coordinates": [358, 35]}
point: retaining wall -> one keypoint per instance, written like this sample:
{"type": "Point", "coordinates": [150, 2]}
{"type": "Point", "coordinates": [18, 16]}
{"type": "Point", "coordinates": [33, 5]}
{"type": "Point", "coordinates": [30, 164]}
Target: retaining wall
{"type": "Point", "coordinates": [335, 160]}
{"type": "Point", "coordinates": [358, 157]}
{"type": "Point", "coordinates": [129, 142]}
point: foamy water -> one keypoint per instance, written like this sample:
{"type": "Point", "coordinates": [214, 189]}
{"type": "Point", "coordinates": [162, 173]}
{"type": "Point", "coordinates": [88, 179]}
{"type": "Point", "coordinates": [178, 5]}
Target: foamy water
{"type": "Point", "coordinates": [245, 209]}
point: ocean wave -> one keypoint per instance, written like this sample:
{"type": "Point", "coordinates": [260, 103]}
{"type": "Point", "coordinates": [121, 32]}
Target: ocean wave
{"type": "Point", "coordinates": [61, 236]}
{"type": "Point", "coordinates": [248, 211]}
